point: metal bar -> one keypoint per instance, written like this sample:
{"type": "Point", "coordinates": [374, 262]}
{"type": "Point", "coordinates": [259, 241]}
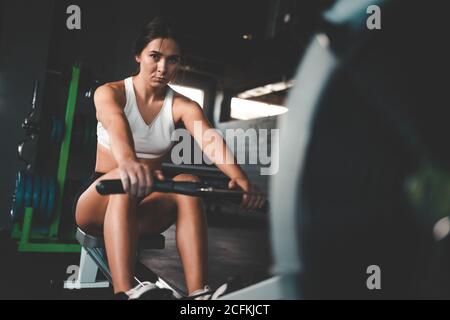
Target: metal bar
{"type": "Point", "coordinates": [86, 285]}
{"type": "Point", "coordinates": [231, 191]}
{"type": "Point", "coordinates": [49, 247]}
{"type": "Point", "coordinates": [65, 147]}
{"type": "Point", "coordinates": [26, 227]}
{"type": "Point", "coordinates": [100, 260]}
{"type": "Point", "coordinates": [16, 232]}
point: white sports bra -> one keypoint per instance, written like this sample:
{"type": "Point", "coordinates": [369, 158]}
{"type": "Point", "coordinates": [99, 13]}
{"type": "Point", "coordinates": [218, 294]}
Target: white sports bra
{"type": "Point", "coordinates": [150, 140]}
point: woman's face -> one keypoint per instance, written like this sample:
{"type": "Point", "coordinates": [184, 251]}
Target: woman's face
{"type": "Point", "coordinates": [159, 61]}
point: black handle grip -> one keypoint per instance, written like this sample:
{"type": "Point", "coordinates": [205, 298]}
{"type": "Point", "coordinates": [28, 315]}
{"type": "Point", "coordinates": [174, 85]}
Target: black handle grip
{"type": "Point", "coordinates": [105, 187]}
{"type": "Point", "coordinates": [197, 189]}
{"type": "Point", "coordinates": [181, 187]}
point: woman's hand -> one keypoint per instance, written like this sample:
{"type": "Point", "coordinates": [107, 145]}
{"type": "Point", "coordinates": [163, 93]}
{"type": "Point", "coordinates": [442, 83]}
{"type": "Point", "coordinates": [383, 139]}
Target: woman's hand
{"type": "Point", "coordinates": [137, 178]}
{"type": "Point", "coordinates": [249, 202]}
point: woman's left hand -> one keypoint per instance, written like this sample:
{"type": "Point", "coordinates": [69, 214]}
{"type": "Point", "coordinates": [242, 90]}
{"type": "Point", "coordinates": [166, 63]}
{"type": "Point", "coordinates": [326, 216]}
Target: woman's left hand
{"type": "Point", "coordinates": [249, 202]}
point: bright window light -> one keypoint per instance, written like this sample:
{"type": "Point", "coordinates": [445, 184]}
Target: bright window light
{"type": "Point", "coordinates": [246, 109]}
{"type": "Point", "coordinates": [196, 95]}
{"type": "Point", "coordinates": [266, 89]}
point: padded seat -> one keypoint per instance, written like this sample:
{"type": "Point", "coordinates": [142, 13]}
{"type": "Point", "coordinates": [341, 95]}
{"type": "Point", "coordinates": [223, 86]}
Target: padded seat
{"type": "Point", "coordinates": [145, 242]}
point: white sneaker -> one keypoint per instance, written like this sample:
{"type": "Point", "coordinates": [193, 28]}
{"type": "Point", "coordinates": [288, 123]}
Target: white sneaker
{"type": "Point", "coordinates": [207, 294]}
{"type": "Point", "coordinates": [220, 291]}
{"type": "Point", "coordinates": [201, 294]}
{"type": "Point", "coordinates": [140, 289]}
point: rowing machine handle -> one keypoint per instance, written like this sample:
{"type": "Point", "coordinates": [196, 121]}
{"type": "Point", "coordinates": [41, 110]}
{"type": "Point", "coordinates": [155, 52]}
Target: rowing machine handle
{"type": "Point", "coordinates": [105, 187]}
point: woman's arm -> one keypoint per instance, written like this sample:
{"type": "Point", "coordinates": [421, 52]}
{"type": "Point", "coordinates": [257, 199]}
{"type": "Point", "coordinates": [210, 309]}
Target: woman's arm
{"type": "Point", "coordinates": [215, 148]}
{"type": "Point", "coordinates": [212, 145]}
{"type": "Point", "coordinates": [136, 177]}
{"type": "Point", "coordinates": [110, 114]}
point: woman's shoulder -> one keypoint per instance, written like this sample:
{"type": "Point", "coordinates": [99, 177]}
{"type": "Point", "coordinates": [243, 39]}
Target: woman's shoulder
{"type": "Point", "coordinates": [183, 101]}
{"type": "Point", "coordinates": [183, 106]}
{"type": "Point", "coordinates": [118, 87]}
{"type": "Point", "coordinates": [115, 89]}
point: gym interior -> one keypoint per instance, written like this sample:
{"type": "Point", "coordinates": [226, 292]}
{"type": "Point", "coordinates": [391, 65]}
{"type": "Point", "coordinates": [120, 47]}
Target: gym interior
{"type": "Point", "coordinates": [339, 112]}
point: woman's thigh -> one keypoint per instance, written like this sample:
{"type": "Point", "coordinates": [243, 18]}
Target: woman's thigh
{"type": "Point", "coordinates": [156, 212]}
{"type": "Point", "coordinates": [91, 206]}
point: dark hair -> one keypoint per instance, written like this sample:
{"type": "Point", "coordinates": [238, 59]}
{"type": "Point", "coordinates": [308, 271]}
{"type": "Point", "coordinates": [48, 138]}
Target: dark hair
{"type": "Point", "coordinates": [159, 27]}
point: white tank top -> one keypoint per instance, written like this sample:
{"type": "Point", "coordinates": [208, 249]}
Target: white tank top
{"type": "Point", "coordinates": [150, 140]}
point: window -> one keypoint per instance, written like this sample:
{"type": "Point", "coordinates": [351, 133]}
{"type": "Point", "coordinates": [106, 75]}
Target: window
{"type": "Point", "coordinates": [267, 100]}
{"type": "Point", "coordinates": [194, 94]}
{"type": "Point", "coordinates": [246, 109]}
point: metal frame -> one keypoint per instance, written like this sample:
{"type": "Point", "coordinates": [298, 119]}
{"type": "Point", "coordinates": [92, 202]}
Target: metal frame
{"type": "Point", "coordinates": [26, 233]}
{"type": "Point", "coordinates": [93, 258]}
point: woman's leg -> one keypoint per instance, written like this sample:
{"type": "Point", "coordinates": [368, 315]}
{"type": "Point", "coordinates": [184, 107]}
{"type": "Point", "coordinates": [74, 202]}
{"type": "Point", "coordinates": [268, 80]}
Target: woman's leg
{"type": "Point", "coordinates": [191, 229]}
{"type": "Point", "coordinates": [120, 231]}
{"type": "Point", "coordinates": [122, 220]}
{"type": "Point", "coordinates": [115, 217]}
{"type": "Point", "coordinates": [192, 238]}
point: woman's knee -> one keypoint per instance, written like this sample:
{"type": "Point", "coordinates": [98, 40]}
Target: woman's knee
{"type": "Point", "coordinates": [91, 214]}
{"type": "Point", "coordinates": [182, 200]}
{"type": "Point", "coordinates": [87, 222]}
{"type": "Point", "coordinates": [91, 208]}
{"type": "Point", "coordinates": [186, 177]}
{"type": "Point", "coordinates": [189, 205]}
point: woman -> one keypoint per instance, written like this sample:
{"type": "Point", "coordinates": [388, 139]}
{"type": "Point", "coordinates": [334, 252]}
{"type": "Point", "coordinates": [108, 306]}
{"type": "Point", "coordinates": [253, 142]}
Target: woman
{"type": "Point", "coordinates": [136, 118]}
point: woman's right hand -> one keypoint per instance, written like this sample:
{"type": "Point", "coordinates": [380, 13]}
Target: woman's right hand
{"type": "Point", "coordinates": [137, 178]}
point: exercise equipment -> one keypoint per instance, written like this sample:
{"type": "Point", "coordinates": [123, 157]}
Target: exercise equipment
{"type": "Point", "coordinates": [37, 205]}
{"type": "Point", "coordinates": [31, 128]}
{"type": "Point", "coordinates": [40, 195]}
{"type": "Point", "coordinates": [44, 195]}
{"type": "Point", "coordinates": [35, 191]}
{"type": "Point", "coordinates": [289, 211]}
{"type": "Point", "coordinates": [93, 259]}
{"type": "Point", "coordinates": [51, 202]}
{"type": "Point", "coordinates": [84, 134]}
{"type": "Point", "coordinates": [196, 189]}
{"type": "Point", "coordinates": [28, 190]}
{"type": "Point", "coordinates": [57, 131]}
{"type": "Point", "coordinates": [18, 196]}
{"type": "Point", "coordinates": [357, 126]}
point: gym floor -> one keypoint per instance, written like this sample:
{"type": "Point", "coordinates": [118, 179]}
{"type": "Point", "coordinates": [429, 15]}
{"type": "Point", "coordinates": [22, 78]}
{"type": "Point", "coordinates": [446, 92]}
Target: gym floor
{"type": "Point", "coordinates": [238, 247]}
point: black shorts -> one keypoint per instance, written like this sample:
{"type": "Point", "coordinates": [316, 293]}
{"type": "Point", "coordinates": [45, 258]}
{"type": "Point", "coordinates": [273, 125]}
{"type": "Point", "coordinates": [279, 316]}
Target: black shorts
{"type": "Point", "coordinates": [94, 176]}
